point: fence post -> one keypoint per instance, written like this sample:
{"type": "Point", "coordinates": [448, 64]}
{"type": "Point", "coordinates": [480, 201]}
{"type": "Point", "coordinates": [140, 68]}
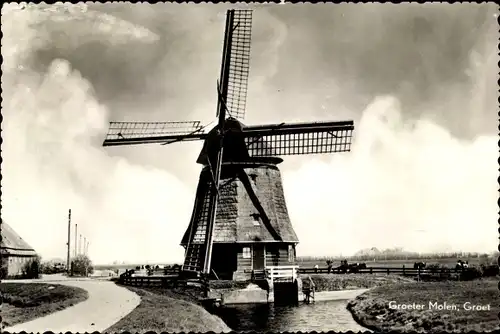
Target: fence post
{"type": "Point", "coordinates": [418, 274]}
{"type": "Point", "coordinates": [371, 270]}
{"type": "Point", "coordinates": [403, 270]}
{"type": "Point", "coordinates": [387, 271]}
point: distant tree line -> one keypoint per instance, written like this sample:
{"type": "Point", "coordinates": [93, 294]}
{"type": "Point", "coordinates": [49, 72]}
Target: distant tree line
{"type": "Point", "coordinates": [391, 254]}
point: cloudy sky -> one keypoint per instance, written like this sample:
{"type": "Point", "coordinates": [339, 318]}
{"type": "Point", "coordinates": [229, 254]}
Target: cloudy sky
{"type": "Point", "coordinates": [419, 81]}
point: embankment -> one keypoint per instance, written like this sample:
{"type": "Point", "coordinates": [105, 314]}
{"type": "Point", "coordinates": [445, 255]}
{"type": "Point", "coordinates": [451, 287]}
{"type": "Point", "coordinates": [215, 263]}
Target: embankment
{"type": "Point", "coordinates": [444, 306]}
{"type": "Point", "coordinates": [24, 302]}
{"type": "Point", "coordinates": [168, 310]}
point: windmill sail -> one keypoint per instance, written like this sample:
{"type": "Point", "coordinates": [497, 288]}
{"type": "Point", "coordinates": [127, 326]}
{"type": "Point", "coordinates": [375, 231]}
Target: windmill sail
{"type": "Point", "coordinates": [129, 133]}
{"type": "Point", "coordinates": [234, 82]}
{"type": "Point", "coordinates": [298, 138]}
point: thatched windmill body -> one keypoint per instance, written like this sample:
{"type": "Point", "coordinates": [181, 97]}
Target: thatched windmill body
{"type": "Point", "coordinates": [240, 222]}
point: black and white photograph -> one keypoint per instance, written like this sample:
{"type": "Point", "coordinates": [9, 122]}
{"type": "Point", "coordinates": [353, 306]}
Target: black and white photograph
{"type": "Point", "coordinates": [267, 167]}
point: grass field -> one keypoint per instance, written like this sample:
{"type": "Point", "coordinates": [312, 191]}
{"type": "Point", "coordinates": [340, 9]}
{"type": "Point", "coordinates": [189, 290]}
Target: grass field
{"type": "Point", "coordinates": [372, 309]}
{"type": "Point", "coordinates": [336, 282]}
{"type": "Point", "coordinates": [168, 310]}
{"type": "Point", "coordinates": [24, 302]}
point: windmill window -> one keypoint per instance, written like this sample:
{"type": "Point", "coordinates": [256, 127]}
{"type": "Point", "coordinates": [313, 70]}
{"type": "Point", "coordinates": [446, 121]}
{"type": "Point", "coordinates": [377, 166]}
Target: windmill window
{"type": "Point", "coordinates": [291, 253]}
{"type": "Point", "coordinates": [247, 253]}
{"type": "Point", "coordinates": [256, 219]}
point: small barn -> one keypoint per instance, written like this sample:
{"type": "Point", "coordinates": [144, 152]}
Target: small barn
{"type": "Point", "coordinates": [14, 251]}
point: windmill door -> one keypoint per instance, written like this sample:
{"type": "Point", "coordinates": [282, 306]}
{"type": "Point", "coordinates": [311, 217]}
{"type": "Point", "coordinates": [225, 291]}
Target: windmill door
{"type": "Point", "coordinates": [258, 257]}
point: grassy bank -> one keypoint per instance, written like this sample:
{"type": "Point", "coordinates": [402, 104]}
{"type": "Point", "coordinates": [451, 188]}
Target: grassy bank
{"type": "Point", "coordinates": [336, 282]}
{"type": "Point", "coordinates": [372, 308]}
{"type": "Point", "coordinates": [168, 310]}
{"type": "Point", "coordinates": [229, 285]}
{"type": "Point", "coordinates": [23, 302]}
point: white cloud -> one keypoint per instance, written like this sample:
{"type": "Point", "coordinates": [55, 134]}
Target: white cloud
{"type": "Point", "coordinates": [397, 179]}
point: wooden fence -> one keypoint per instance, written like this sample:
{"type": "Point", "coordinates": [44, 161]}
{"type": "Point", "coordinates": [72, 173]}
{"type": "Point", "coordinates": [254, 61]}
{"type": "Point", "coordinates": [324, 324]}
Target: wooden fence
{"type": "Point", "coordinates": [370, 270]}
{"type": "Point", "coordinates": [170, 277]}
{"type": "Point", "coordinates": [424, 274]}
{"type": "Point", "coordinates": [164, 281]}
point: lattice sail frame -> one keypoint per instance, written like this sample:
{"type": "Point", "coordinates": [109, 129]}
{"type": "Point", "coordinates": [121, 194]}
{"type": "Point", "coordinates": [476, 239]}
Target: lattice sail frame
{"type": "Point", "coordinates": [128, 133]}
{"type": "Point", "coordinates": [125, 130]}
{"type": "Point", "coordinates": [299, 138]}
{"type": "Point", "coordinates": [239, 66]}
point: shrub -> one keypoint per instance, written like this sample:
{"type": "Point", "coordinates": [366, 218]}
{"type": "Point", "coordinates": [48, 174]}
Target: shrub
{"type": "Point", "coordinates": [3, 272]}
{"type": "Point", "coordinates": [471, 273]}
{"type": "Point", "coordinates": [490, 270]}
{"type": "Point", "coordinates": [32, 268]}
{"type": "Point", "coordinates": [81, 265]}
{"type": "Point", "coordinates": [433, 268]}
{"type": "Point", "coordinates": [52, 268]}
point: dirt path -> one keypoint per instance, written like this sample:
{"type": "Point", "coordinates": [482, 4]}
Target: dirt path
{"type": "Point", "coordinates": [107, 303]}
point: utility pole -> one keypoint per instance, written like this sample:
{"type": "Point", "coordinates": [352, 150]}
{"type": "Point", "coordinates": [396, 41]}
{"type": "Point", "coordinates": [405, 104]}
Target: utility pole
{"type": "Point", "coordinates": [80, 245]}
{"type": "Point", "coordinates": [76, 240]}
{"type": "Point", "coordinates": [84, 245]}
{"type": "Point", "coordinates": [69, 237]}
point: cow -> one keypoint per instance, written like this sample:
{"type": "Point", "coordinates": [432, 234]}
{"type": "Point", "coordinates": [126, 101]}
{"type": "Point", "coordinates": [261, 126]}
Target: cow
{"type": "Point", "coordinates": [419, 265]}
{"type": "Point", "coordinates": [354, 268]}
{"type": "Point", "coordinates": [329, 263]}
{"type": "Point", "coordinates": [459, 266]}
{"type": "Point", "coordinates": [344, 266]}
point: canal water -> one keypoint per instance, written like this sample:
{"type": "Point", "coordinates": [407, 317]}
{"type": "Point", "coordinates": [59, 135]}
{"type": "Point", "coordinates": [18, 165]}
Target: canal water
{"type": "Point", "coordinates": [319, 316]}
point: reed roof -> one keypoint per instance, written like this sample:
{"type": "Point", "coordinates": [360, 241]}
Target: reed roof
{"type": "Point", "coordinates": [239, 219]}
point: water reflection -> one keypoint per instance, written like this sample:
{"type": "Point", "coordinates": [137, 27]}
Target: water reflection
{"type": "Point", "coordinates": [321, 316]}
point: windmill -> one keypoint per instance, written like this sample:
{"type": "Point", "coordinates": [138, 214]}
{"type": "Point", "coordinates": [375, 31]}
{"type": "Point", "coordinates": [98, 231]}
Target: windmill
{"type": "Point", "coordinates": [233, 157]}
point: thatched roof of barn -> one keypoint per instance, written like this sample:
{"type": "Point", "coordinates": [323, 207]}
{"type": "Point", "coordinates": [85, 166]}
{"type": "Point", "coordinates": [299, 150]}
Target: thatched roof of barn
{"type": "Point", "coordinates": [12, 243]}
{"type": "Point", "coordinates": [237, 210]}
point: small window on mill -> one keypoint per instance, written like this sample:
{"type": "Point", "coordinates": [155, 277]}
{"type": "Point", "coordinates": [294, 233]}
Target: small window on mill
{"type": "Point", "coordinates": [247, 253]}
{"type": "Point", "coordinates": [256, 219]}
{"type": "Point", "coordinates": [291, 254]}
